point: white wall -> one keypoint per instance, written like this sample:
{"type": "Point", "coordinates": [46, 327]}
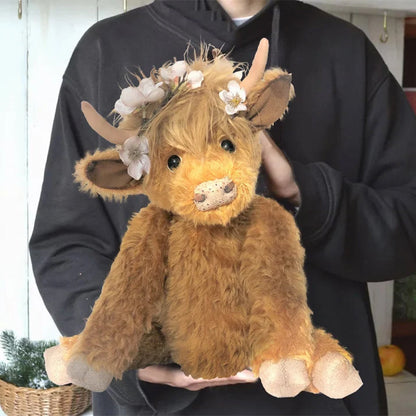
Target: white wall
{"type": "Point", "coordinates": [36, 50]}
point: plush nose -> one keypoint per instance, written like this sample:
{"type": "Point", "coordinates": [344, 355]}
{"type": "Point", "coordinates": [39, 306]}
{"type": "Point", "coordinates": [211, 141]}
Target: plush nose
{"type": "Point", "coordinates": [214, 194]}
{"type": "Point", "coordinates": [229, 187]}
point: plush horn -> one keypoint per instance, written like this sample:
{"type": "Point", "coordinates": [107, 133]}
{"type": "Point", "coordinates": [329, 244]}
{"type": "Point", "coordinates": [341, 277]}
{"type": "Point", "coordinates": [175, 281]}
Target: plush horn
{"type": "Point", "coordinates": [258, 66]}
{"type": "Point", "coordinates": [101, 126]}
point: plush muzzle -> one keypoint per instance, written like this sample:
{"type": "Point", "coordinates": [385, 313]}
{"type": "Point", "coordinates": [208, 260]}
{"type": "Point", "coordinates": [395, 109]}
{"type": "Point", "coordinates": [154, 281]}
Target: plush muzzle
{"type": "Point", "coordinates": [214, 194]}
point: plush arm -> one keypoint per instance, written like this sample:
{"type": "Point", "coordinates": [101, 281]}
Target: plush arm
{"type": "Point", "coordinates": [131, 297]}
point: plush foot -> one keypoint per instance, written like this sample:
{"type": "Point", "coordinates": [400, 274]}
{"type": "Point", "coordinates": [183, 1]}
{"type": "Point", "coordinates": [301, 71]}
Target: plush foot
{"type": "Point", "coordinates": [83, 375]}
{"type": "Point", "coordinates": [55, 365]}
{"type": "Point", "coordinates": [334, 376]}
{"type": "Point", "coordinates": [286, 378]}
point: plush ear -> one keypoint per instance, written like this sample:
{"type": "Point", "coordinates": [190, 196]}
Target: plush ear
{"type": "Point", "coordinates": [103, 173]}
{"type": "Point", "coordinates": [269, 98]}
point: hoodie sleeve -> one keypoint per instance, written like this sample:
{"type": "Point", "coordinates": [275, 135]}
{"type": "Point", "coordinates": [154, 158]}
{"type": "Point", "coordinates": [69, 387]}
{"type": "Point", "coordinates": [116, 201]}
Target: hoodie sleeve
{"type": "Point", "coordinates": [366, 231]}
{"type": "Point", "coordinates": [73, 241]}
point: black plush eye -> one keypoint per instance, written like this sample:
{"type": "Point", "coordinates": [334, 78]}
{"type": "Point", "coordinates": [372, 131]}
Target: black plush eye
{"type": "Point", "coordinates": [173, 162]}
{"type": "Point", "coordinates": [228, 146]}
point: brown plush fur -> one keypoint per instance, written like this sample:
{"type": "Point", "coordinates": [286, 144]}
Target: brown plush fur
{"type": "Point", "coordinates": [226, 286]}
{"type": "Point", "coordinates": [132, 295]}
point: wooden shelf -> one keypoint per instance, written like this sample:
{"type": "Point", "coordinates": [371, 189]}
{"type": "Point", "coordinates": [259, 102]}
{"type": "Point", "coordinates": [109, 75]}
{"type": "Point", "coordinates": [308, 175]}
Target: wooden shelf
{"type": "Point", "coordinates": [397, 8]}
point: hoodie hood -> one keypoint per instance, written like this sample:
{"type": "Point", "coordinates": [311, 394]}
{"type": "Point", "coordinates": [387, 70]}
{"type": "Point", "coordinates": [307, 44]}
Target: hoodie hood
{"type": "Point", "coordinates": [205, 20]}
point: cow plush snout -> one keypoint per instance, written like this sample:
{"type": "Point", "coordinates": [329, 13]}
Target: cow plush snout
{"type": "Point", "coordinates": [214, 194]}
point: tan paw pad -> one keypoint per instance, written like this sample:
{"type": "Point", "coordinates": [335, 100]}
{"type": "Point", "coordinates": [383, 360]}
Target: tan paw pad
{"type": "Point", "coordinates": [83, 375]}
{"type": "Point", "coordinates": [286, 378]}
{"type": "Point", "coordinates": [334, 376]}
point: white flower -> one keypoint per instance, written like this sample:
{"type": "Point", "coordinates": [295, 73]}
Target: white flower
{"type": "Point", "coordinates": [238, 74]}
{"type": "Point", "coordinates": [134, 153]}
{"type": "Point", "coordinates": [122, 108]}
{"type": "Point", "coordinates": [130, 99]}
{"type": "Point", "coordinates": [134, 97]}
{"type": "Point", "coordinates": [233, 98]}
{"type": "Point", "coordinates": [177, 70]}
{"type": "Point", "coordinates": [195, 79]}
{"type": "Point", "coordinates": [151, 91]}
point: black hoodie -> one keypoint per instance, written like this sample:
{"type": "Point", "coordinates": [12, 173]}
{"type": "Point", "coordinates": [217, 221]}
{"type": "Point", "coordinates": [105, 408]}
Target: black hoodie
{"type": "Point", "coordinates": [350, 136]}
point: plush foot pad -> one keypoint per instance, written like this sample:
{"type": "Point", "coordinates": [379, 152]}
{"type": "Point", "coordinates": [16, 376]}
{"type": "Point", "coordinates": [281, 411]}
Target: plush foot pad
{"type": "Point", "coordinates": [83, 375]}
{"type": "Point", "coordinates": [286, 378]}
{"type": "Point", "coordinates": [334, 376]}
{"type": "Point", "coordinates": [55, 365]}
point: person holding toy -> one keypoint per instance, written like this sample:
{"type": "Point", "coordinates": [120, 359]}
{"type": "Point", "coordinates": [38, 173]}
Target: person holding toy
{"type": "Point", "coordinates": [347, 167]}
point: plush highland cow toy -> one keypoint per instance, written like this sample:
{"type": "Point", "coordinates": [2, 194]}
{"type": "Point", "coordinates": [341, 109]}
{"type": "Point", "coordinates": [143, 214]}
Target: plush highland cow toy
{"type": "Point", "coordinates": [209, 275]}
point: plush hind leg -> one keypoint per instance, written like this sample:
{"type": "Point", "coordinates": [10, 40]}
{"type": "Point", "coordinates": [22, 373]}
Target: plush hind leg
{"type": "Point", "coordinates": [280, 327]}
{"type": "Point", "coordinates": [333, 373]}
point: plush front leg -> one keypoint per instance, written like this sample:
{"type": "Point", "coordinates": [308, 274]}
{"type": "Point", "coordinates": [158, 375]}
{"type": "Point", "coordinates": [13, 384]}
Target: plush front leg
{"type": "Point", "coordinates": [280, 331]}
{"type": "Point", "coordinates": [56, 365]}
{"type": "Point", "coordinates": [152, 350]}
{"type": "Point", "coordinates": [131, 298]}
{"type": "Point", "coordinates": [76, 371]}
{"type": "Point", "coordinates": [84, 375]}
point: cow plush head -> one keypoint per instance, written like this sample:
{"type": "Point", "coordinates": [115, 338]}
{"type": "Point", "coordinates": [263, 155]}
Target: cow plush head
{"type": "Point", "coordinates": [187, 137]}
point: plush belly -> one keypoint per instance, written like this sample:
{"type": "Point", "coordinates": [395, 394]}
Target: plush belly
{"type": "Point", "coordinates": [205, 317]}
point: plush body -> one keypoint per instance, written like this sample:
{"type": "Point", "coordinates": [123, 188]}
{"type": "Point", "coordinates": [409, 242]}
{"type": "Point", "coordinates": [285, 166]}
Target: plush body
{"type": "Point", "coordinates": [220, 310]}
{"type": "Point", "coordinates": [209, 275]}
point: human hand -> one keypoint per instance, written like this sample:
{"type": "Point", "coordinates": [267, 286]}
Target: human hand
{"type": "Point", "coordinates": [279, 172]}
{"type": "Point", "coordinates": [176, 378]}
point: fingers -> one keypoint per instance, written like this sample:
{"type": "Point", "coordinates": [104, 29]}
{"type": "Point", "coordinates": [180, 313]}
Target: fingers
{"type": "Point", "coordinates": [265, 142]}
{"type": "Point", "coordinates": [193, 384]}
{"type": "Point", "coordinates": [159, 374]}
{"type": "Point", "coordinates": [268, 146]}
{"type": "Point", "coordinates": [245, 376]}
{"type": "Point", "coordinates": [177, 378]}
{"type": "Point", "coordinates": [281, 180]}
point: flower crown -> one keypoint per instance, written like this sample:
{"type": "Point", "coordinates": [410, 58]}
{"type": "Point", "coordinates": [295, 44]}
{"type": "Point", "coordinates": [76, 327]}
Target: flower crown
{"type": "Point", "coordinates": [163, 84]}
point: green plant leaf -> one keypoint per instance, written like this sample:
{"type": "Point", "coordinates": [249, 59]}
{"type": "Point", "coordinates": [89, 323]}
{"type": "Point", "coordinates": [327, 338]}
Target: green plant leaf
{"type": "Point", "coordinates": [404, 307]}
{"type": "Point", "coordinates": [24, 366]}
